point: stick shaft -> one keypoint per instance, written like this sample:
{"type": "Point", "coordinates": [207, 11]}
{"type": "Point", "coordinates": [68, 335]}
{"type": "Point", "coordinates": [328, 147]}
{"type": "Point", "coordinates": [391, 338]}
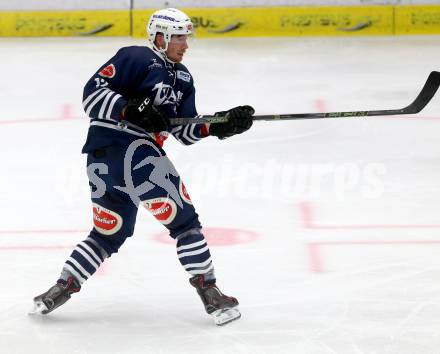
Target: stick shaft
{"type": "Point", "coordinates": [428, 91]}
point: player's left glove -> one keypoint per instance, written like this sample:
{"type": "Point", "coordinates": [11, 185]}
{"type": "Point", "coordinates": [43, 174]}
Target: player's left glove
{"type": "Point", "coordinates": [144, 114]}
{"type": "Point", "coordinates": [239, 120]}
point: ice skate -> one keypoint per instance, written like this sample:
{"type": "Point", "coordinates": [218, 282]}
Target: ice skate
{"type": "Point", "coordinates": [56, 296]}
{"type": "Point", "coordinates": [221, 307]}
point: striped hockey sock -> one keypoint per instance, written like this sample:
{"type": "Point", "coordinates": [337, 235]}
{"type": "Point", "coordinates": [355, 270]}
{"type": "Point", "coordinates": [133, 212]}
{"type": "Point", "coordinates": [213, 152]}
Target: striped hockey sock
{"type": "Point", "coordinates": [85, 259]}
{"type": "Point", "coordinates": [194, 255]}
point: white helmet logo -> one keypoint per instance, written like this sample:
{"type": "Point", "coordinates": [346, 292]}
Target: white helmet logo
{"type": "Point", "coordinates": [169, 22]}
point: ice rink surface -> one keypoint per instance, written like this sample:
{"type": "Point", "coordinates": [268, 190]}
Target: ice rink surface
{"type": "Point", "coordinates": [327, 231]}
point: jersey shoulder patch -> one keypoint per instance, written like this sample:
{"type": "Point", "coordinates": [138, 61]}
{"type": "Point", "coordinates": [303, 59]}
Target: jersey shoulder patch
{"type": "Point", "coordinates": [183, 75]}
{"type": "Point", "coordinates": [109, 71]}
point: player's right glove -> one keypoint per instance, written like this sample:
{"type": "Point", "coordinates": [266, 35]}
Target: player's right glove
{"type": "Point", "coordinates": [144, 114]}
{"type": "Point", "coordinates": [239, 120]}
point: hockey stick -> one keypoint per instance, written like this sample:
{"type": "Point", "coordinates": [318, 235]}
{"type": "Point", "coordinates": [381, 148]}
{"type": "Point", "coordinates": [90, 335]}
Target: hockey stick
{"type": "Point", "coordinates": [428, 91]}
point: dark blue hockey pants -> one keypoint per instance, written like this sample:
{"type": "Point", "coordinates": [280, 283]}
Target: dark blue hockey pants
{"type": "Point", "coordinates": [121, 178]}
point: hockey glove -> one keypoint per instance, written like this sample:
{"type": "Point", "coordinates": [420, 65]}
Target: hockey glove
{"type": "Point", "coordinates": [144, 114]}
{"type": "Point", "coordinates": [239, 120]}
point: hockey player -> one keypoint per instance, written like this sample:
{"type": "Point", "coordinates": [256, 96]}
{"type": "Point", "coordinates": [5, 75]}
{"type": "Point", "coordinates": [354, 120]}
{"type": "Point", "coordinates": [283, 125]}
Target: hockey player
{"type": "Point", "coordinates": [130, 100]}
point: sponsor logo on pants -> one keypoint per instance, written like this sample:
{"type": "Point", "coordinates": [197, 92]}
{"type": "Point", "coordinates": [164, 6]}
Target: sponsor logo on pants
{"type": "Point", "coordinates": [163, 209]}
{"type": "Point", "coordinates": [184, 193]}
{"type": "Point", "coordinates": [106, 222]}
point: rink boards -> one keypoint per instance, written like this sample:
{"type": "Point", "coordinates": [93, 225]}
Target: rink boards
{"type": "Point", "coordinates": [232, 22]}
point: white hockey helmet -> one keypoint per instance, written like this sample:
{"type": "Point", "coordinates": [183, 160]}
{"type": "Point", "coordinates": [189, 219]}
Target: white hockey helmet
{"type": "Point", "coordinates": [168, 22]}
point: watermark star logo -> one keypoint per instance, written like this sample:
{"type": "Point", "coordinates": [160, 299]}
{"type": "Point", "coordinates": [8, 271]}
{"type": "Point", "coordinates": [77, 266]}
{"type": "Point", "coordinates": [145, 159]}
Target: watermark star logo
{"type": "Point", "coordinates": [160, 174]}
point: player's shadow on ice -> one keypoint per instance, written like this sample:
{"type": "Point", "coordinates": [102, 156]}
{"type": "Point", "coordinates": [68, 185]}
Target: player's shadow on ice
{"type": "Point", "coordinates": [116, 315]}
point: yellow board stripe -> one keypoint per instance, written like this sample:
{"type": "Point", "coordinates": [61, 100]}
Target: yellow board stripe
{"type": "Point", "coordinates": [233, 22]}
{"type": "Point", "coordinates": [65, 23]}
{"type": "Point", "coordinates": [283, 21]}
{"type": "Point", "coordinates": [417, 20]}
{"type": "Point", "coordinates": [306, 21]}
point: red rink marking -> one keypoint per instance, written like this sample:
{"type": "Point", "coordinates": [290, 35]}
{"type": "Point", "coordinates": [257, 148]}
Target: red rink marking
{"type": "Point", "coordinates": [35, 248]}
{"type": "Point", "coordinates": [315, 257]}
{"type": "Point", "coordinates": [24, 232]}
{"type": "Point", "coordinates": [307, 222]}
{"type": "Point", "coordinates": [66, 111]}
{"type": "Point", "coordinates": [216, 236]}
{"type": "Point", "coordinates": [315, 260]}
{"type": "Point", "coordinates": [314, 248]}
{"type": "Point", "coordinates": [320, 105]}
{"type": "Point", "coordinates": [40, 120]}
{"type": "Point", "coordinates": [103, 270]}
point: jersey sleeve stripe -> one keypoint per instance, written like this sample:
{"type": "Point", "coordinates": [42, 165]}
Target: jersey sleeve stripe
{"type": "Point", "coordinates": [90, 97]}
{"type": "Point", "coordinates": [110, 109]}
{"type": "Point", "coordinates": [177, 129]}
{"type": "Point", "coordinates": [191, 132]}
{"type": "Point", "coordinates": [96, 100]}
{"type": "Point", "coordinates": [104, 104]}
{"type": "Point", "coordinates": [186, 134]}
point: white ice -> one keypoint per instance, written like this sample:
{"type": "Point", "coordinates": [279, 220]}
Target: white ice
{"type": "Point", "coordinates": [345, 212]}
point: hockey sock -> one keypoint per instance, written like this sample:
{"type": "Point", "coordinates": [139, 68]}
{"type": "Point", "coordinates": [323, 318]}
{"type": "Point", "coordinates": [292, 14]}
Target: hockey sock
{"type": "Point", "coordinates": [85, 259]}
{"type": "Point", "coordinates": [194, 255]}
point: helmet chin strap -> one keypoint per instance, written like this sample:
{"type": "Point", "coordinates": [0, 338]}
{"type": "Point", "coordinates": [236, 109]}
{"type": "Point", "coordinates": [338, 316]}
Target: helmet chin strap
{"type": "Point", "coordinates": [162, 51]}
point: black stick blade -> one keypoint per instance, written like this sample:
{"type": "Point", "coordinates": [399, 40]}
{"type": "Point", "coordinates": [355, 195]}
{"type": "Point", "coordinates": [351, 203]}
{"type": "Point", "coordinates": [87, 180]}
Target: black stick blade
{"type": "Point", "coordinates": [427, 93]}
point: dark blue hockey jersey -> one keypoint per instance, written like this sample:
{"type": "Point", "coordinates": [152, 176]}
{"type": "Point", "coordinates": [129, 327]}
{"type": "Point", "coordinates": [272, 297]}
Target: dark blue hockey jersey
{"type": "Point", "coordinates": [138, 72]}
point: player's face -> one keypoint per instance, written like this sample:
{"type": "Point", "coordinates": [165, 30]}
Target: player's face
{"type": "Point", "coordinates": [177, 47]}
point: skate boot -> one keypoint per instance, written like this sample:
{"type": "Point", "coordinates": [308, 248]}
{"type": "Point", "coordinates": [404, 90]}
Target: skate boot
{"type": "Point", "coordinates": [222, 308]}
{"type": "Point", "coordinates": [55, 296]}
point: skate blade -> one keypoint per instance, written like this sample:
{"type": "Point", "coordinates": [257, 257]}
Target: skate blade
{"type": "Point", "coordinates": [222, 317]}
{"type": "Point", "coordinates": [39, 308]}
